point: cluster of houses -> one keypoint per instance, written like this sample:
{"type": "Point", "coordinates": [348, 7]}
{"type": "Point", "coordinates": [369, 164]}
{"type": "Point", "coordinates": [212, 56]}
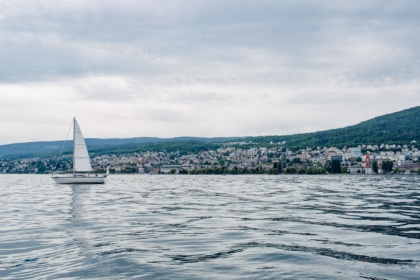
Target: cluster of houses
{"type": "Point", "coordinates": [356, 159]}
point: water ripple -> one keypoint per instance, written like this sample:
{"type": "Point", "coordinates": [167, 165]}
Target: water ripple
{"type": "Point", "coordinates": [318, 251]}
{"type": "Point", "coordinates": [222, 227]}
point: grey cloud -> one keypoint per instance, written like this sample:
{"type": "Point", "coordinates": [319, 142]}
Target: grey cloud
{"type": "Point", "coordinates": [245, 60]}
{"type": "Point", "coordinates": [154, 38]}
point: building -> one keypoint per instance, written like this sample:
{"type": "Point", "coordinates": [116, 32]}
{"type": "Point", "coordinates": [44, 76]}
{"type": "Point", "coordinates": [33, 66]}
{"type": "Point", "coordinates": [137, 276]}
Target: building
{"type": "Point", "coordinates": [166, 169]}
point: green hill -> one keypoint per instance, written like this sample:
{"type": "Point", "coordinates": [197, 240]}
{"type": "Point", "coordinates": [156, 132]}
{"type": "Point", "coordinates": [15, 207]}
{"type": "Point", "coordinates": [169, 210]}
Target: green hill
{"type": "Point", "coordinates": [113, 145]}
{"type": "Point", "coordinates": [397, 128]}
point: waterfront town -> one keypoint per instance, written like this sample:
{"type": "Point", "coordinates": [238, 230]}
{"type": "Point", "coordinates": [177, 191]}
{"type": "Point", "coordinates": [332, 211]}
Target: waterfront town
{"type": "Point", "coordinates": [232, 159]}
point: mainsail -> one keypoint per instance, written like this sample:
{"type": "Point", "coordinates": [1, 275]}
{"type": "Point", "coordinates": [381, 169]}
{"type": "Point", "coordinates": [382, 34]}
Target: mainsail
{"type": "Point", "coordinates": [81, 160]}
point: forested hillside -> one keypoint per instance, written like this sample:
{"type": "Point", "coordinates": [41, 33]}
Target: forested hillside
{"type": "Point", "coordinates": [115, 145]}
{"type": "Point", "coordinates": [396, 128]}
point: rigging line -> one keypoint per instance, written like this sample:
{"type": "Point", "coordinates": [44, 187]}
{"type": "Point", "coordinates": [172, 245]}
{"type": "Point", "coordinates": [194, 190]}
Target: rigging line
{"type": "Point", "coordinates": [62, 146]}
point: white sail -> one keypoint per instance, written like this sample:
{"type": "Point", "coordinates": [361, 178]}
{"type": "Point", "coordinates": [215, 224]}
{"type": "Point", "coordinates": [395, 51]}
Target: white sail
{"type": "Point", "coordinates": [81, 159]}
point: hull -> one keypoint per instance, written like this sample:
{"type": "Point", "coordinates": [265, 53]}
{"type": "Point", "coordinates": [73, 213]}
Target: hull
{"type": "Point", "coordinates": [79, 179]}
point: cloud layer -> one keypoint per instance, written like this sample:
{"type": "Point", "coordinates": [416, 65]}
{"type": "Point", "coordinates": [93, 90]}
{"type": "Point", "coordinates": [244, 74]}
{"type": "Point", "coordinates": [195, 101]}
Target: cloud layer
{"type": "Point", "coordinates": [203, 68]}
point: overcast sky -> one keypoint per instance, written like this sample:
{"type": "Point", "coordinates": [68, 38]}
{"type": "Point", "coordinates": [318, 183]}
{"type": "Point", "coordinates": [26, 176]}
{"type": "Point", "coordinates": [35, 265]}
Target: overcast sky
{"type": "Point", "coordinates": [203, 68]}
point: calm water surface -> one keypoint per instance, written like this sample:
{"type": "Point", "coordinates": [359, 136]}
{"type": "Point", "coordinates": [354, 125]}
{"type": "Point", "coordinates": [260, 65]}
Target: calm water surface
{"type": "Point", "coordinates": [211, 227]}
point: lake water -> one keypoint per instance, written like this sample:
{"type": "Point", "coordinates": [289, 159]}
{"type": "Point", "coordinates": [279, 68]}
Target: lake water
{"type": "Point", "coordinates": [211, 227]}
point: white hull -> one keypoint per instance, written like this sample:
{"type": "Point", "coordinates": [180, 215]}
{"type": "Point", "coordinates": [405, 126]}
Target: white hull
{"type": "Point", "coordinates": [79, 179]}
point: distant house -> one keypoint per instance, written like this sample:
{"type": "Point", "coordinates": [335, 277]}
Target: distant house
{"type": "Point", "coordinates": [357, 169]}
{"type": "Point", "coordinates": [337, 158]}
{"type": "Point", "coordinates": [355, 153]}
{"type": "Point", "coordinates": [166, 169]}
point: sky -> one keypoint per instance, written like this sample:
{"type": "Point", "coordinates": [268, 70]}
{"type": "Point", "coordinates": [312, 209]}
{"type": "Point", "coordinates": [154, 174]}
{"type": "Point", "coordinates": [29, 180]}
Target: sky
{"type": "Point", "coordinates": [203, 68]}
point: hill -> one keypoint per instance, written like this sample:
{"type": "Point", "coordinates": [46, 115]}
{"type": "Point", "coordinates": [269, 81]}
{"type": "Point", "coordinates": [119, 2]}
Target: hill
{"type": "Point", "coordinates": [48, 148]}
{"type": "Point", "coordinates": [396, 128]}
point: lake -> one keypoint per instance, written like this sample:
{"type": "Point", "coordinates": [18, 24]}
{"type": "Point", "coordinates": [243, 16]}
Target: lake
{"type": "Point", "coordinates": [211, 227]}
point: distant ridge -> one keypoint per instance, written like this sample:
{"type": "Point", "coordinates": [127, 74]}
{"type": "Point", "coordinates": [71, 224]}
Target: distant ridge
{"type": "Point", "coordinates": [396, 128]}
{"type": "Point", "coordinates": [34, 149]}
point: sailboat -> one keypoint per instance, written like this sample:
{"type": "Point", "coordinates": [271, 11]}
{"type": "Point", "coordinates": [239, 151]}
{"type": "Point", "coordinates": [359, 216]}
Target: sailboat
{"type": "Point", "coordinates": [81, 163]}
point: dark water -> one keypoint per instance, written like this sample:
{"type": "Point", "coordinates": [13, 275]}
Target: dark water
{"type": "Point", "coordinates": [211, 227]}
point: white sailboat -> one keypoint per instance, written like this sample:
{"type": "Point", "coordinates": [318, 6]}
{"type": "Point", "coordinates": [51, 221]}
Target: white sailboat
{"type": "Point", "coordinates": [81, 163]}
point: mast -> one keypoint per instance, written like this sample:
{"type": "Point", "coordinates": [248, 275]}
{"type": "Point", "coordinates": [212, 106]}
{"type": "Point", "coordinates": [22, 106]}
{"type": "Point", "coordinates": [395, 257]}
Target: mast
{"type": "Point", "coordinates": [74, 145]}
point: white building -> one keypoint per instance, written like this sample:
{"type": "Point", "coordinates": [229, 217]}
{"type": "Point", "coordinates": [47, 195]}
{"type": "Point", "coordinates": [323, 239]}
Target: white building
{"type": "Point", "coordinates": [166, 169]}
